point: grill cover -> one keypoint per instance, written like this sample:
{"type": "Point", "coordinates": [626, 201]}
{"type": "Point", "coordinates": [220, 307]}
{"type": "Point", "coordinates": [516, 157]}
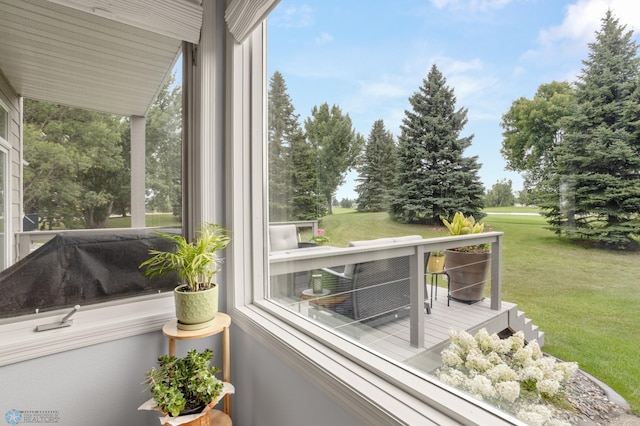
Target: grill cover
{"type": "Point", "coordinates": [81, 269]}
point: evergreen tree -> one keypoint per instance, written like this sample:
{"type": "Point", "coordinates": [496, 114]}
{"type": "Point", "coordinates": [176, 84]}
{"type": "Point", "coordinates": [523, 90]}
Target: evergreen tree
{"type": "Point", "coordinates": [283, 125]}
{"type": "Point", "coordinates": [376, 170]}
{"type": "Point", "coordinates": [293, 170]}
{"type": "Point", "coordinates": [433, 177]}
{"type": "Point", "coordinates": [598, 160]}
{"type": "Point", "coordinates": [306, 200]}
{"type": "Point", "coordinates": [337, 146]}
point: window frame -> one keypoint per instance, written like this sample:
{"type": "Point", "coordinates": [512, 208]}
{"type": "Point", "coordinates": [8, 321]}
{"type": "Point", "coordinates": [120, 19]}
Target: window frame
{"type": "Point", "coordinates": [371, 387]}
{"type": "Point", "coordinates": [5, 138]}
{"type": "Point", "coordinates": [5, 148]}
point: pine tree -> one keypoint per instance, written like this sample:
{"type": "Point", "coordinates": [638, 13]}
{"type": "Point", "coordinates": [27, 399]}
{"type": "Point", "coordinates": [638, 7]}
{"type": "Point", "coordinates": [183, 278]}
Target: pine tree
{"type": "Point", "coordinates": [376, 170]}
{"type": "Point", "coordinates": [283, 125]}
{"type": "Point", "coordinates": [598, 160]}
{"type": "Point", "coordinates": [293, 171]}
{"type": "Point", "coordinates": [307, 201]}
{"type": "Point", "coordinates": [433, 177]}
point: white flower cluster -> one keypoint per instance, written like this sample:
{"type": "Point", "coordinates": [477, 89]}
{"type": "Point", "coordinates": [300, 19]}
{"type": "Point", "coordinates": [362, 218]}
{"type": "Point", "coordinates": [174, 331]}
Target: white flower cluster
{"type": "Point", "coordinates": [506, 372]}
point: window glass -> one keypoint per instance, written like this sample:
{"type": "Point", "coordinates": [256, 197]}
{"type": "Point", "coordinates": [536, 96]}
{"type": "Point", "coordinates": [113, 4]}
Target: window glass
{"type": "Point", "coordinates": [344, 252]}
{"type": "Point", "coordinates": [81, 244]}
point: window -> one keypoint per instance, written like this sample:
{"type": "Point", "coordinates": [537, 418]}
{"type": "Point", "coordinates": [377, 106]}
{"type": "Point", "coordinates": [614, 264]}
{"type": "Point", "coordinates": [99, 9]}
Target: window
{"type": "Point", "coordinates": [93, 213]}
{"type": "Point", "coordinates": [378, 387]}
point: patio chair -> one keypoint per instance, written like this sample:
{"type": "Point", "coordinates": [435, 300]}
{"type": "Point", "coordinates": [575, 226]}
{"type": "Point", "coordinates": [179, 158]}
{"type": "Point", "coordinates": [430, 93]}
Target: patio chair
{"type": "Point", "coordinates": [283, 238]}
{"type": "Point", "coordinates": [376, 291]}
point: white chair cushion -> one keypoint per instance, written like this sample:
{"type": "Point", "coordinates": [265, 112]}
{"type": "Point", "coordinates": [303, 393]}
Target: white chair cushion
{"type": "Point", "coordinates": [283, 237]}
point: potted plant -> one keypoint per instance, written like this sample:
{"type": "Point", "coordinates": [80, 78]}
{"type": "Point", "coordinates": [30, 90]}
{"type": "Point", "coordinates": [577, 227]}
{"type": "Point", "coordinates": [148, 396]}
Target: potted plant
{"type": "Point", "coordinates": [467, 266]}
{"type": "Point", "coordinates": [319, 238]}
{"type": "Point", "coordinates": [195, 265]}
{"type": "Point", "coordinates": [435, 264]}
{"type": "Point", "coordinates": [183, 386]}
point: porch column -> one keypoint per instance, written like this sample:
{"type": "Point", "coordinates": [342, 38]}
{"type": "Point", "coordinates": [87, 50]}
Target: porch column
{"type": "Point", "coordinates": [137, 171]}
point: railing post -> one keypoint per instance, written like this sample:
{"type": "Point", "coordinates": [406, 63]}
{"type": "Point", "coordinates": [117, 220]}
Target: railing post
{"type": "Point", "coordinates": [496, 273]}
{"type": "Point", "coordinates": [23, 243]}
{"type": "Point", "coordinates": [416, 297]}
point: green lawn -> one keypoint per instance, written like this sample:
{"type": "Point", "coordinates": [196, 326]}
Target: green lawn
{"type": "Point", "coordinates": [512, 209]}
{"type": "Point", "coordinates": [160, 219]}
{"type": "Point", "coordinates": [584, 299]}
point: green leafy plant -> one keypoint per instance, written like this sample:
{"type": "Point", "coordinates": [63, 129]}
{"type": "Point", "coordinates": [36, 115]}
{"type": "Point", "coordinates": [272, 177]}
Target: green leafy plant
{"type": "Point", "coordinates": [184, 383]}
{"type": "Point", "coordinates": [461, 225]}
{"type": "Point", "coordinates": [196, 263]}
{"type": "Point", "coordinates": [514, 376]}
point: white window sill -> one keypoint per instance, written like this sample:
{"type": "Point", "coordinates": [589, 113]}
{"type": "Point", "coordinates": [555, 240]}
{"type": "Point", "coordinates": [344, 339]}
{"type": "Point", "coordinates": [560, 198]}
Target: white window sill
{"type": "Point", "coordinates": [374, 389]}
{"type": "Point", "coordinates": [92, 325]}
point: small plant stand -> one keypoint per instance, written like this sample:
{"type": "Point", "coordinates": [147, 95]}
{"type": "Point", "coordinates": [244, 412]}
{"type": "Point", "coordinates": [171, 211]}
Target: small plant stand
{"type": "Point", "coordinates": [434, 285]}
{"type": "Point", "coordinates": [220, 324]}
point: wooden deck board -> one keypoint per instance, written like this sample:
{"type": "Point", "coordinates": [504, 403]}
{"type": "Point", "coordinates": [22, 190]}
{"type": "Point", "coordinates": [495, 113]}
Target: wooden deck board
{"type": "Point", "coordinates": [392, 338]}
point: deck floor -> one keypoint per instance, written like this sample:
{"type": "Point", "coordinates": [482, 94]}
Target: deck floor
{"type": "Point", "coordinates": [392, 338]}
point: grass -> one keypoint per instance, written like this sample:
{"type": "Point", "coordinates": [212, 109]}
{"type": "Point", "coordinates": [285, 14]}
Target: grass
{"type": "Point", "coordinates": [159, 219]}
{"type": "Point", "coordinates": [584, 299]}
{"type": "Point", "coordinates": [512, 209]}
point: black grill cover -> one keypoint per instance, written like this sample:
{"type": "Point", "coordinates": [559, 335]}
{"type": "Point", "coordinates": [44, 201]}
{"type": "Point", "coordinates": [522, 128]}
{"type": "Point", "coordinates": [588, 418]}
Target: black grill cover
{"type": "Point", "coordinates": [81, 269]}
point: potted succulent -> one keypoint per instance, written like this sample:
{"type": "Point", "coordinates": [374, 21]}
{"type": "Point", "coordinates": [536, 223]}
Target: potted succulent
{"type": "Point", "coordinates": [467, 266]}
{"type": "Point", "coordinates": [195, 265]}
{"type": "Point", "coordinates": [183, 386]}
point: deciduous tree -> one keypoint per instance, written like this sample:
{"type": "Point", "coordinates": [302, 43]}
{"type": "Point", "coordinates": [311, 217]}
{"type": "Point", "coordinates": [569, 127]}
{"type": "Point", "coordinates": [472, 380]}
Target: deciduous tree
{"type": "Point", "coordinates": [533, 128]}
{"type": "Point", "coordinates": [336, 145]}
{"type": "Point", "coordinates": [79, 153]}
{"type": "Point", "coordinates": [500, 194]}
{"type": "Point", "coordinates": [163, 151]}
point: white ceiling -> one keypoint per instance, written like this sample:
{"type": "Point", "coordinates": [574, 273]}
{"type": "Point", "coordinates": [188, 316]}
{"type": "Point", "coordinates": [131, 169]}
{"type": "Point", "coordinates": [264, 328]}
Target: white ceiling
{"type": "Point", "coordinates": [106, 55]}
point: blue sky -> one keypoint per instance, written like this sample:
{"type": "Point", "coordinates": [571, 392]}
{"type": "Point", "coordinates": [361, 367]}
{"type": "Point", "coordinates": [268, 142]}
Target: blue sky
{"type": "Point", "coordinates": [369, 56]}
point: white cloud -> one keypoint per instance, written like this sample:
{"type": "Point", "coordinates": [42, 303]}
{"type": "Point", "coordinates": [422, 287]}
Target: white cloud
{"type": "Point", "coordinates": [324, 38]}
{"type": "Point", "coordinates": [568, 42]}
{"type": "Point", "coordinates": [470, 4]}
{"type": "Point", "coordinates": [584, 18]}
{"type": "Point", "coordinates": [292, 17]}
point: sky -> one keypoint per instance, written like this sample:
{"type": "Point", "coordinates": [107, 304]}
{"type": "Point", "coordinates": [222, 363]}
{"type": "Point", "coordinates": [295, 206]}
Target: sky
{"type": "Point", "coordinates": [369, 56]}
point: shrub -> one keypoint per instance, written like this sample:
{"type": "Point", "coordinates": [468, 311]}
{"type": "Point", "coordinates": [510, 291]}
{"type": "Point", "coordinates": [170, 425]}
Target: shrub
{"type": "Point", "coordinates": [510, 374]}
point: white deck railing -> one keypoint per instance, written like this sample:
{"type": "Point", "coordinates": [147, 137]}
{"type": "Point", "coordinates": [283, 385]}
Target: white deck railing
{"type": "Point", "coordinates": [290, 261]}
{"type": "Point", "coordinates": [26, 242]}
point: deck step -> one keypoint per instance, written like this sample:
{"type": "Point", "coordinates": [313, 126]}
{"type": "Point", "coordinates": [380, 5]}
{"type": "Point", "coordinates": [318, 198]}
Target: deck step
{"type": "Point", "coordinates": [519, 322]}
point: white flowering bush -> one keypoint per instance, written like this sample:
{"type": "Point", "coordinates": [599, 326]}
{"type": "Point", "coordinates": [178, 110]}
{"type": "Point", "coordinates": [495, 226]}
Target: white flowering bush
{"type": "Point", "coordinates": [516, 377]}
